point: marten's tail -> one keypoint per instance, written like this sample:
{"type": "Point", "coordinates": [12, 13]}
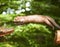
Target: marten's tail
{"type": "Point", "coordinates": [53, 22]}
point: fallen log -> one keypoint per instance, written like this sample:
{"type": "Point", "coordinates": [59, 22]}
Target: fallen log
{"type": "Point", "coordinates": [5, 31]}
{"type": "Point", "coordinates": [57, 37]}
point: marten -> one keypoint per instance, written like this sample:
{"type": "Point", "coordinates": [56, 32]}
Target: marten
{"type": "Point", "coordinates": [36, 19]}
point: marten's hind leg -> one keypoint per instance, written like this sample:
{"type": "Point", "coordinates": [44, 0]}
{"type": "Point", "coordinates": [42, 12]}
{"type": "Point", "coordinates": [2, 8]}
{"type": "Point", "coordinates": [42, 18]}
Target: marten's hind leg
{"type": "Point", "coordinates": [53, 21]}
{"type": "Point", "coordinates": [48, 23]}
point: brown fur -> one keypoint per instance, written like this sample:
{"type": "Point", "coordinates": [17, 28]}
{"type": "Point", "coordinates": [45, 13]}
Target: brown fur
{"type": "Point", "coordinates": [36, 19]}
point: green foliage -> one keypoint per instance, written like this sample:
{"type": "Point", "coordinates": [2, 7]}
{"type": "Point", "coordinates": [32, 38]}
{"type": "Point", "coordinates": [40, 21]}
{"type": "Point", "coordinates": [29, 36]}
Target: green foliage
{"type": "Point", "coordinates": [30, 35]}
{"type": "Point", "coordinates": [4, 4]}
{"type": "Point", "coordinates": [6, 18]}
{"type": "Point", "coordinates": [44, 8]}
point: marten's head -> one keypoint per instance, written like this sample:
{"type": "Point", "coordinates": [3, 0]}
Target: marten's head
{"type": "Point", "coordinates": [19, 20]}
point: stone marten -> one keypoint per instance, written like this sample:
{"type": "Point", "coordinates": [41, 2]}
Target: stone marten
{"type": "Point", "coordinates": [36, 19]}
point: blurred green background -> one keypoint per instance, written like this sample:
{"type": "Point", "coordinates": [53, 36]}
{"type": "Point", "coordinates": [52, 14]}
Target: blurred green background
{"type": "Point", "coordinates": [32, 34]}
